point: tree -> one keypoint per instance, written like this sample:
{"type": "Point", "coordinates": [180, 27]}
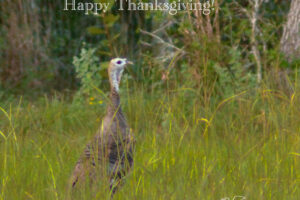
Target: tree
{"type": "Point", "coordinates": [290, 41]}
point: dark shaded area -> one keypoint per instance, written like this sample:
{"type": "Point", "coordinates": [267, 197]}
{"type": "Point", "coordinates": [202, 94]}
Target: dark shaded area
{"type": "Point", "coordinates": [38, 41]}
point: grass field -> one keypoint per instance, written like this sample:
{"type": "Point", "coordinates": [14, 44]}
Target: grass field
{"type": "Point", "coordinates": [189, 146]}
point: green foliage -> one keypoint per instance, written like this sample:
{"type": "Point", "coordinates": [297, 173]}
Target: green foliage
{"type": "Point", "coordinates": [88, 70]}
{"type": "Point", "coordinates": [2, 93]}
{"type": "Point", "coordinates": [115, 33]}
{"type": "Point", "coordinates": [244, 145]}
{"type": "Point", "coordinates": [235, 77]}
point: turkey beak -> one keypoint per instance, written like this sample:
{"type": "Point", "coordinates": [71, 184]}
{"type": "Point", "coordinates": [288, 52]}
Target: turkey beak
{"type": "Point", "coordinates": [129, 62]}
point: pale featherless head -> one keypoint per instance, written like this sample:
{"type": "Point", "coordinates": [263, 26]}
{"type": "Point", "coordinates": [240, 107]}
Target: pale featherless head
{"type": "Point", "coordinates": [115, 71]}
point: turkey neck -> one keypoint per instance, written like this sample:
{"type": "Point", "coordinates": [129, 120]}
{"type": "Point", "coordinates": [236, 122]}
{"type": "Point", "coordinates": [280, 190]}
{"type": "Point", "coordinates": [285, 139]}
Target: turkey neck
{"type": "Point", "coordinates": [114, 107]}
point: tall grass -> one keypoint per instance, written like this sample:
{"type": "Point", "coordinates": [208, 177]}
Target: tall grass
{"type": "Point", "coordinates": [246, 145]}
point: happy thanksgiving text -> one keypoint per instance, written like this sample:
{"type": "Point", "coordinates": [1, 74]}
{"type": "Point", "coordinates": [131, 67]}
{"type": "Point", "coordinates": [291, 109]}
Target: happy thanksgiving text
{"type": "Point", "coordinates": [205, 7]}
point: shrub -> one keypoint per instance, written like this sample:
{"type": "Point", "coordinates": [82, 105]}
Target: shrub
{"type": "Point", "coordinates": [88, 71]}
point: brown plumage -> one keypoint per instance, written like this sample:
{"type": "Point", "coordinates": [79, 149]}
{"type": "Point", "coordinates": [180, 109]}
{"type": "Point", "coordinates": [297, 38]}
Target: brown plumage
{"type": "Point", "coordinates": [109, 155]}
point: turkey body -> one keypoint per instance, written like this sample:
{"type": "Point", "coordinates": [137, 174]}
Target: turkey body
{"type": "Point", "coordinates": [108, 157]}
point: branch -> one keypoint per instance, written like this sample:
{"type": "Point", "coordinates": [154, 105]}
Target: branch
{"type": "Point", "coordinates": [161, 40]}
{"type": "Point", "coordinates": [253, 18]}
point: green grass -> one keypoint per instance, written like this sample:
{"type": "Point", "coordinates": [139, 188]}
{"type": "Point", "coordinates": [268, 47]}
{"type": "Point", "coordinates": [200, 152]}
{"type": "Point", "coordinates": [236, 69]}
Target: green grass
{"type": "Point", "coordinates": [187, 147]}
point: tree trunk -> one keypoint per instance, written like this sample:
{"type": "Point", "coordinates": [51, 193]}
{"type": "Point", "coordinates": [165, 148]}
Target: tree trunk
{"type": "Point", "coordinates": [290, 41]}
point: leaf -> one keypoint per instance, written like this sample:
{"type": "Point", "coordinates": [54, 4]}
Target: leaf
{"type": "Point", "coordinates": [3, 135]}
{"type": "Point", "coordinates": [93, 30]}
{"type": "Point", "coordinates": [110, 19]}
{"type": "Point", "coordinates": [104, 65]}
{"type": "Point", "coordinates": [116, 37]}
{"type": "Point", "coordinates": [106, 53]}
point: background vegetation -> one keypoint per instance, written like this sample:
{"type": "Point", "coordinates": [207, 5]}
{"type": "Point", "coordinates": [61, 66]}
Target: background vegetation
{"type": "Point", "coordinates": [206, 128]}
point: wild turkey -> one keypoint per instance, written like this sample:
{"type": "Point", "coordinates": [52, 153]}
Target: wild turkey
{"type": "Point", "coordinates": [109, 154]}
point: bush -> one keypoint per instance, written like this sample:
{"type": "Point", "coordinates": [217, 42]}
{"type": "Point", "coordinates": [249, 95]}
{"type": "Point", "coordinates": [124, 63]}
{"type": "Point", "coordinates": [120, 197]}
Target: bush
{"type": "Point", "coordinates": [89, 72]}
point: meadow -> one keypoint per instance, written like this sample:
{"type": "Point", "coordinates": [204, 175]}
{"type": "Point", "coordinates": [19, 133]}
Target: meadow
{"type": "Point", "coordinates": [188, 145]}
{"type": "Point", "coordinates": [212, 100]}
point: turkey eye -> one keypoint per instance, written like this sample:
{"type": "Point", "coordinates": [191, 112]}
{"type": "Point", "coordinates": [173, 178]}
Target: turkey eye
{"type": "Point", "coordinates": [119, 62]}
